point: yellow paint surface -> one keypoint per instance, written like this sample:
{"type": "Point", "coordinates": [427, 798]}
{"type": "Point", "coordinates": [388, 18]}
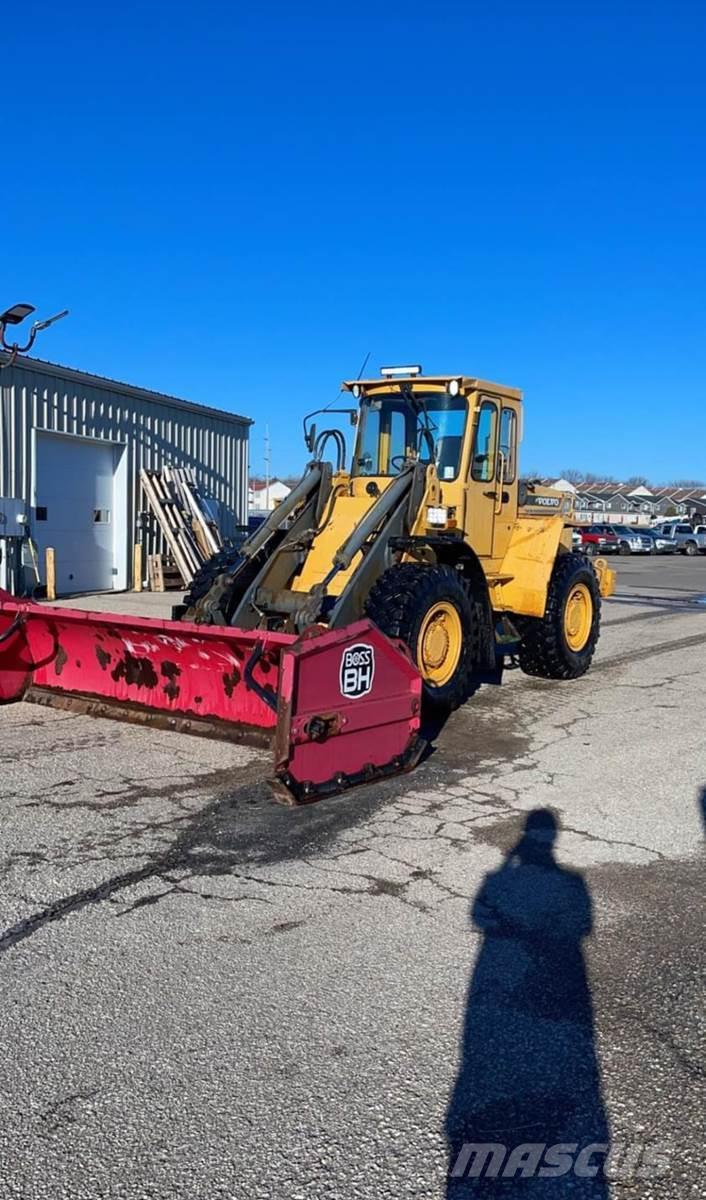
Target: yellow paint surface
{"type": "Point", "coordinates": [527, 566]}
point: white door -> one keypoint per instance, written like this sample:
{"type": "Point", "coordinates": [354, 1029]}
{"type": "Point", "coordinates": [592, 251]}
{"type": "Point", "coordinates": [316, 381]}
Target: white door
{"type": "Point", "coordinates": [74, 510]}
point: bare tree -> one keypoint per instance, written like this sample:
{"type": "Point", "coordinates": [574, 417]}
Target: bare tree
{"type": "Point", "coordinates": [575, 477]}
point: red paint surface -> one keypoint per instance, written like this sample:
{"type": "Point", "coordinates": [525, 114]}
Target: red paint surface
{"type": "Point", "coordinates": [374, 729]}
{"type": "Point", "coordinates": [198, 670]}
{"type": "Point", "coordinates": [170, 666]}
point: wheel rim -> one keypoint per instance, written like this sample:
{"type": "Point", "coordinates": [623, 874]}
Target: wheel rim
{"type": "Point", "coordinates": [578, 617]}
{"type": "Point", "coordinates": [439, 644]}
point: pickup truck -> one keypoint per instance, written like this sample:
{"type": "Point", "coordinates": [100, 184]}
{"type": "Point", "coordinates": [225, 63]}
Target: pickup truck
{"type": "Point", "coordinates": [689, 541]}
{"type": "Point", "coordinates": [595, 541]}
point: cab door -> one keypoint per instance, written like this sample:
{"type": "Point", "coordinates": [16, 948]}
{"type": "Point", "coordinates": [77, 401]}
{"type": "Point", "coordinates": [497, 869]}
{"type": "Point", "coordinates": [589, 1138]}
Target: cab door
{"type": "Point", "coordinates": [505, 479]}
{"type": "Point", "coordinates": [482, 492]}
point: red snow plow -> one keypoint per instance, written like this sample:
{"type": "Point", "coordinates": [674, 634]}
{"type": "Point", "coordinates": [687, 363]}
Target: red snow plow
{"type": "Point", "coordinates": [337, 707]}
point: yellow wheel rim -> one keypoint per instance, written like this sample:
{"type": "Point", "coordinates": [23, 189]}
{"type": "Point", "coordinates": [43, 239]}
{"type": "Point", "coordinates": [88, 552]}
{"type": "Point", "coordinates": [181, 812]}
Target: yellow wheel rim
{"type": "Point", "coordinates": [439, 644]}
{"type": "Point", "coordinates": [578, 617]}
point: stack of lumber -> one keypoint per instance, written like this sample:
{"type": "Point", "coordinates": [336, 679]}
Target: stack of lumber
{"type": "Point", "coordinates": [184, 517]}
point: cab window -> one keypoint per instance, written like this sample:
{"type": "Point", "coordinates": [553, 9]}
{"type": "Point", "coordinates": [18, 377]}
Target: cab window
{"type": "Point", "coordinates": [392, 429]}
{"type": "Point", "coordinates": [484, 443]}
{"type": "Point", "coordinates": [508, 442]}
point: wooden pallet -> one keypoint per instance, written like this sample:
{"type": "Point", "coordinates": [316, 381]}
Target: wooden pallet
{"type": "Point", "coordinates": [184, 517]}
{"type": "Point", "coordinates": [163, 575]}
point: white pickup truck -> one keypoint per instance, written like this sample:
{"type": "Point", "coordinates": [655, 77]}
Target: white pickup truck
{"type": "Point", "coordinates": [689, 541]}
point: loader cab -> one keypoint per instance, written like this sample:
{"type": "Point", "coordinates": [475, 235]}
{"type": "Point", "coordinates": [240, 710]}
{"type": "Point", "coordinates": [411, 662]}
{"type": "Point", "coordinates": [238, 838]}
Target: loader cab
{"type": "Point", "coordinates": [467, 429]}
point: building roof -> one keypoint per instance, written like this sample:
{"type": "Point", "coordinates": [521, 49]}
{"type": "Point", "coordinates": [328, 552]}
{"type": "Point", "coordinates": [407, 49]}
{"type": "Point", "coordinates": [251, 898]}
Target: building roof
{"type": "Point", "coordinates": [259, 485]}
{"type": "Point", "coordinates": [44, 367]}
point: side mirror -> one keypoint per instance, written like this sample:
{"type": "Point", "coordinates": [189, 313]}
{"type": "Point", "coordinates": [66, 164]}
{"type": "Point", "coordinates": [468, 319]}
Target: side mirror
{"type": "Point", "coordinates": [310, 439]}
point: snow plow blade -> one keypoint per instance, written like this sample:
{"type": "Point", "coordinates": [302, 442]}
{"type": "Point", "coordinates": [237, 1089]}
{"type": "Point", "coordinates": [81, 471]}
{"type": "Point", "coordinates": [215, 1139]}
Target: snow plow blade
{"type": "Point", "coordinates": [337, 707]}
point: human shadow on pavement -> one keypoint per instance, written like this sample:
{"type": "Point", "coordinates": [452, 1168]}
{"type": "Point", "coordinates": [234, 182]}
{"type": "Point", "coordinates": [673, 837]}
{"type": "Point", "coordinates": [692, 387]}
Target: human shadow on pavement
{"type": "Point", "coordinates": [526, 1116]}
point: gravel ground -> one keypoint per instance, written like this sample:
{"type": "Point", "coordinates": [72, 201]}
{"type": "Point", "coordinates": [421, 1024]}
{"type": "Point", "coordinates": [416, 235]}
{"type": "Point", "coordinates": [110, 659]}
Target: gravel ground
{"type": "Point", "coordinates": [206, 994]}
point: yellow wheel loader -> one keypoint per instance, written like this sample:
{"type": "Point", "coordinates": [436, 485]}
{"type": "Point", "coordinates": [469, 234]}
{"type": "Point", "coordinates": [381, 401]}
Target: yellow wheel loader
{"type": "Point", "coordinates": [429, 533]}
{"type": "Point", "coordinates": [402, 578]}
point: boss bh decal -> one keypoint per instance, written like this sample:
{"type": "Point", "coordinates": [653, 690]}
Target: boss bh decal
{"type": "Point", "coordinates": [357, 670]}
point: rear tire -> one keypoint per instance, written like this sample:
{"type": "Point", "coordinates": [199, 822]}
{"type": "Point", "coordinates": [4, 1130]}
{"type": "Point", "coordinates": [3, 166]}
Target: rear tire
{"type": "Point", "coordinates": [552, 646]}
{"type": "Point", "coordinates": [431, 610]}
{"type": "Point", "coordinates": [690, 549]}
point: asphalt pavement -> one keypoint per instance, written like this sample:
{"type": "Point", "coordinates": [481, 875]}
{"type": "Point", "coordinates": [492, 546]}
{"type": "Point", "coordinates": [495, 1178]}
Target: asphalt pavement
{"type": "Point", "coordinates": [207, 994]}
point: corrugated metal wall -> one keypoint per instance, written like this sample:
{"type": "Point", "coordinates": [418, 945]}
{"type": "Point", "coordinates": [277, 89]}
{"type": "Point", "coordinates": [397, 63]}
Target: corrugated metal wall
{"type": "Point", "coordinates": [41, 396]}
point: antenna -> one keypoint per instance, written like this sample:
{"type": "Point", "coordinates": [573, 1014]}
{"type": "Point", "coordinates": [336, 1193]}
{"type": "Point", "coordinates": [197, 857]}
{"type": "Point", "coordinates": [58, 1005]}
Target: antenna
{"type": "Point", "coordinates": [363, 365]}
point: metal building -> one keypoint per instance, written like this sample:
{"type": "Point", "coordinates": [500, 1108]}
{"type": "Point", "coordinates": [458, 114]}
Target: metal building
{"type": "Point", "coordinates": [71, 449]}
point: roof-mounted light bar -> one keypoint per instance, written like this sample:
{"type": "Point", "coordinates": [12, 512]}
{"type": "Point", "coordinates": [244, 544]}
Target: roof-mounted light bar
{"type": "Point", "coordinates": [392, 372]}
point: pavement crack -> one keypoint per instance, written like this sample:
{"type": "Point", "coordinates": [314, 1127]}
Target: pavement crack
{"type": "Point", "coordinates": [594, 837]}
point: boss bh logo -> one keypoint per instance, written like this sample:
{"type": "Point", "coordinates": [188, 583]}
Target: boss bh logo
{"type": "Point", "coordinates": [357, 670]}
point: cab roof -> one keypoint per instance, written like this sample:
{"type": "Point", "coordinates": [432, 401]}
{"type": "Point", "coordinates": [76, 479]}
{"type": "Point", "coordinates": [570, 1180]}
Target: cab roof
{"type": "Point", "coordinates": [467, 384]}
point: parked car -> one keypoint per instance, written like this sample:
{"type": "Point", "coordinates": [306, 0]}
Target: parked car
{"type": "Point", "coordinates": [594, 540]}
{"type": "Point", "coordinates": [660, 542]}
{"type": "Point", "coordinates": [688, 540]}
{"type": "Point", "coordinates": [632, 539]}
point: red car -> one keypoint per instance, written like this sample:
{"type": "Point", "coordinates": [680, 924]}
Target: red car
{"type": "Point", "coordinates": [596, 540]}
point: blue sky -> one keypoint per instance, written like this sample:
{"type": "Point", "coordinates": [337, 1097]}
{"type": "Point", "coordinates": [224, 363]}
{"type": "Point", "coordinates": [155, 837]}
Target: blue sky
{"type": "Point", "coordinates": [238, 202]}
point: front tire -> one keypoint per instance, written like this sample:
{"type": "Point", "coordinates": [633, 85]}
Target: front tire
{"type": "Point", "coordinates": [207, 600]}
{"type": "Point", "coordinates": [690, 549]}
{"type": "Point", "coordinates": [561, 644]}
{"type": "Point", "coordinates": [430, 609]}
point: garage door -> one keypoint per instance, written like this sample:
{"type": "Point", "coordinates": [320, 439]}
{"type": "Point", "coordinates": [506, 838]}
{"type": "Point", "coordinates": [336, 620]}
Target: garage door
{"type": "Point", "coordinates": [74, 513]}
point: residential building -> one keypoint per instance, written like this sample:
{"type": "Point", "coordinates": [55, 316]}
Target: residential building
{"type": "Point", "coordinates": [265, 496]}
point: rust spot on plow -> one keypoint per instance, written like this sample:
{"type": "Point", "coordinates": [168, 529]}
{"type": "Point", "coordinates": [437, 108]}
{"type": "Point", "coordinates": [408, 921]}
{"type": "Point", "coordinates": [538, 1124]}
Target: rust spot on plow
{"type": "Point", "coordinates": [103, 658]}
{"type": "Point", "coordinates": [136, 671]}
{"type": "Point", "coordinates": [171, 673]}
{"type": "Point", "coordinates": [230, 680]}
{"type": "Point", "coordinates": [60, 660]}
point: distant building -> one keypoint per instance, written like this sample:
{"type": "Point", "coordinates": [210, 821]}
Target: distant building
{"type": "Point", "coordinates": [607, 502]}
{"type": "Point", "coordinates": [263, 497]}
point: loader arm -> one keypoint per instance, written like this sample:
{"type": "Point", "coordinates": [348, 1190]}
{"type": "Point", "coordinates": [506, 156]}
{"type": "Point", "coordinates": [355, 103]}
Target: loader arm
{"type": "Point", "coordinates": [324, 573]}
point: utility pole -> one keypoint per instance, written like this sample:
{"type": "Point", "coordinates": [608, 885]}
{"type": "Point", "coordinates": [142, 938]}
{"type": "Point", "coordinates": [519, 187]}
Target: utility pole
{"type": "Point", "coordinates": [267, 468]}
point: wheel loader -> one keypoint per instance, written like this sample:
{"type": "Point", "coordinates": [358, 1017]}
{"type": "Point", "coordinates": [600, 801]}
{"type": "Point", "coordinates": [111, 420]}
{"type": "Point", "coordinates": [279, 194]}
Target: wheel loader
{"type": "Point", "coordinates": [379, 588]}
